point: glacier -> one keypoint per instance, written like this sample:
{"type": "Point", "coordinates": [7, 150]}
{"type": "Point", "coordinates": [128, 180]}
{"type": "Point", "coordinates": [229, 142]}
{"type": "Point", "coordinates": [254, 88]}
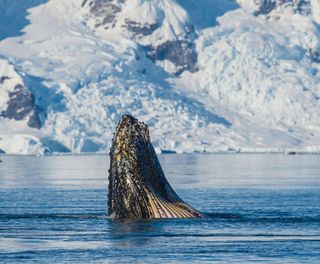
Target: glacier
{"type": "Point", "coordinates": [206, 76]}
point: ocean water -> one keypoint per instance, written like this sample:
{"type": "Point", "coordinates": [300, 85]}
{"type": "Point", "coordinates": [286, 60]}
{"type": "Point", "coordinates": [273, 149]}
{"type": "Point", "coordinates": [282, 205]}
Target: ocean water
{"type": "Point", "coordinates": [259, 209]}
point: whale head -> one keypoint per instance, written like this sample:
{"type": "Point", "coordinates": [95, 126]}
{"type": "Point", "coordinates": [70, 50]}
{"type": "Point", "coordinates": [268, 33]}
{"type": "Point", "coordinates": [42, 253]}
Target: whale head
{"type": "Point", "coordinates": [137, 185]}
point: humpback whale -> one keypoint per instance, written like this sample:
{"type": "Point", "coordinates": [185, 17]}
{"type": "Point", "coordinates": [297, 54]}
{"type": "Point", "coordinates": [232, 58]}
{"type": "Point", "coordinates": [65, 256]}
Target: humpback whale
{"type": "Point", "coordinates": [138, 187]}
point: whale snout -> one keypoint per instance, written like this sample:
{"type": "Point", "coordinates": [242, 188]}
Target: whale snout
{"type": "Point", "coordinates": [137, 185]}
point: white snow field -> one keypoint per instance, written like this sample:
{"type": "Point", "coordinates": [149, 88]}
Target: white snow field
{"type": "Point", "coordinates": [205, 75]}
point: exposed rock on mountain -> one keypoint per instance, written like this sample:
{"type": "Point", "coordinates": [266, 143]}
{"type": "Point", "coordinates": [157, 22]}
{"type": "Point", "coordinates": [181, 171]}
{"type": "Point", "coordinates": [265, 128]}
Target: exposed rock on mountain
{"type": "Point", "coordinates": [20, 102]}
{"type": "Point", "coordinates": [138, 29]}
{"type": "Point", "coordinates": [278, 7]}
{"type": "Point", "coordinates": [180, 52]}
{"type": "Point", "coordinates": [104, 12]}
{"type": "Point", "coordinates": [21, 106]}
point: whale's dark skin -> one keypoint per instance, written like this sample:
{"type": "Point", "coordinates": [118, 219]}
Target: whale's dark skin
{"type": "Point", "coordinates": [138, 187]}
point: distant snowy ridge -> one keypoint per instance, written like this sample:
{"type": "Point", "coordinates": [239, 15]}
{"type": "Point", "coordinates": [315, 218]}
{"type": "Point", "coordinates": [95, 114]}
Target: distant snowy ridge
{"type": "Point", "coordinates": [228, 80]}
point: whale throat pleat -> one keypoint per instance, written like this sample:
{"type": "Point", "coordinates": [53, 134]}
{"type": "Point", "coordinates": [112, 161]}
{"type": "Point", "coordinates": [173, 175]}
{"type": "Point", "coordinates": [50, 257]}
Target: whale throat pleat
{"type": "Point", "coordinates": [160, 208]}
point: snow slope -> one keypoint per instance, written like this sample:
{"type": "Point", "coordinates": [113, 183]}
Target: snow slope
{"type": "Point", "coordinates": [201, 80]}
{"type": "Point", "coordinates": [260, 71]}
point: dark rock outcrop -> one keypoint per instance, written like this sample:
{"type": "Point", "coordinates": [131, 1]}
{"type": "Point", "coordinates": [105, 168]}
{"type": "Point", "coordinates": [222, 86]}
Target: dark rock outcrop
{"type": "Point", "coordinates": [182, 53]}
{"type": "Point", "coordinates": [3, 79]}
{"type": "Point", "coordinates": [314, 55]}
{"type": "Point", "coordinates": [21, 105]}
{"type": "Point", "coordinates": [265, 7]}
{"type": "Point", "coordinates": [105, 10]}
{"type": "Point", "coordinates": [145, 30]}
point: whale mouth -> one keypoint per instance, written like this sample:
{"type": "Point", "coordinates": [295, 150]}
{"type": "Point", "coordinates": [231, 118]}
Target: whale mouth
{"type": "Point", "coordinates": [138, 187]}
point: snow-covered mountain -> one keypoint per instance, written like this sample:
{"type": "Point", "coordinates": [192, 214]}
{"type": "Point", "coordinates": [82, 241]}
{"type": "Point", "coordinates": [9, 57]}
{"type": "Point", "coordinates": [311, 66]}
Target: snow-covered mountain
{"type": "Point", "coordinates": [204, 75]}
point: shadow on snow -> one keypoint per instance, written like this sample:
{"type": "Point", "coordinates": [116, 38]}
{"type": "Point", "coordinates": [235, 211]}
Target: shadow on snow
{"type": "Point", "coordinates": [204, 13]}
{"type": "Point", "coordinates": [14, 16]}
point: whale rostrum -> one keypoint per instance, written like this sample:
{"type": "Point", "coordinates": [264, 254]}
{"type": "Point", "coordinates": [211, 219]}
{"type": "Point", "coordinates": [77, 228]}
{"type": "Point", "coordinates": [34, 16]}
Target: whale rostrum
{"type": "Point", "coordinates": [138, 187]}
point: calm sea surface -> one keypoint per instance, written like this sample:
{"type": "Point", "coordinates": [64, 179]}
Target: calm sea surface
{"type": "Point", "coordinates": [259, 208]}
